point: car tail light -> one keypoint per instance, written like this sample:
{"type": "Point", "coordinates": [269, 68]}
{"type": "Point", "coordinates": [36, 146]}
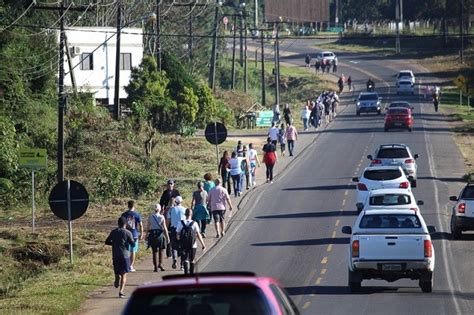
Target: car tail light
{"type": "Point", "coordinates": [376, 161]}
{"type": "Point", "coordinates": [404, 185]}
{"type": "Point", "coordinates": [409, 161]}
{"type": "Point", "coordinates": [462, 208]}
{"type": "Point", "coordinates": [428, 249]}
{"type": "Point", "coordinates": [361, 186]}
{"type": "Point", "coordinates": [355, 248]}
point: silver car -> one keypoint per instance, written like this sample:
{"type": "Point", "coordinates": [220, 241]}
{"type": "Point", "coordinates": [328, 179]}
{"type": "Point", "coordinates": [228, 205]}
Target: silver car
{"type": "Point", "coordinates": [396, 154]}
{"type": "Point", "coordinates": [368, 102]}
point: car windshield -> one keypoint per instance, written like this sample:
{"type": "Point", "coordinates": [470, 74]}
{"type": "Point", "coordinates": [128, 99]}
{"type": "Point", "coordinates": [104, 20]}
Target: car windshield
{"type": "Point", "coordinates": [225, 301]}
{"type": "Point", "coordinates": [405, 83]}
{"type": "Point", "coordinates": [327, 55]}
{"type": "Point", "coordinates": [382, 174]}
{"type": "Point", "coordinates": [392, 153]}
{"type": "Point", "coordinates": [398, 111]}
{"type": "Point", "coordinates": [404, 74]}
{"type": "Point", "coordinates": [405, 105]}
{"type": "Point", "coordinates": [468, 193]}
{"type": "Point", "coordinates": [390, 200]}
{"type": "Point", "coordinates": [368, 97]}
{"type": "Point", "coordinates": [390, 221]}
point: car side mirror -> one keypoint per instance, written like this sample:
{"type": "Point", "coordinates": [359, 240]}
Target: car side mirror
{"type": "Point", "coordinates": [370, 157]}
{"type": "Point", "coordinates": [431, 229]}
{"type": "Point", "coordinates": [420, 202]}
{"type": "Point", "coordinates": [355, 179]}
{"type": "Point", "coordinates": [416, 156]}
{"type": "Point", "coordinates": [453, 198]}
{"type": "Point", "coordinates": [346, 230]}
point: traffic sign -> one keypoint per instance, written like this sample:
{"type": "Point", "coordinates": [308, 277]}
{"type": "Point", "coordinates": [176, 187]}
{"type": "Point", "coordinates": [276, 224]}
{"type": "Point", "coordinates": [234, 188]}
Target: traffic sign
{"type": "Point", "coordinates": [264, 118]}
{"type": "Point", "coordinates": [215, 133]}
{"type": "Point", "coordinates": [225, 20]}
{"type": "Point", "coordinates": [76, 198]}
{"type": "Point", "coordinates": [33, 158]}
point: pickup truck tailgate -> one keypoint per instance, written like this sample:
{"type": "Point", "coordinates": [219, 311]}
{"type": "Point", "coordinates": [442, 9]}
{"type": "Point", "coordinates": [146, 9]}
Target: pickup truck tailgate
{"type": "Point", "coordinates": [469, 208]}
{"type": "Point", "coordinates": [391, 247]}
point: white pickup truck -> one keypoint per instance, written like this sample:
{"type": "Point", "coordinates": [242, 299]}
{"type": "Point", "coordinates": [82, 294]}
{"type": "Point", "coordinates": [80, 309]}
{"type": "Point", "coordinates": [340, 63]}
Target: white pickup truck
{"type": "Point", "coordinates": [390, 245]}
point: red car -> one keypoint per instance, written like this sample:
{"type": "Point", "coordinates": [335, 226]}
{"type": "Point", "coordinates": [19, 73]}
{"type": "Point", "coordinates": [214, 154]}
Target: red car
{"type": "Point", "coordinates": [398, 117]}
{"type": "Point", "coordinates": [217, 293]}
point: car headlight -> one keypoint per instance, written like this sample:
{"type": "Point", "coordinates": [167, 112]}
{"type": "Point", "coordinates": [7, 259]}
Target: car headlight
{"type": "Point", "coordinates": [358, 103]}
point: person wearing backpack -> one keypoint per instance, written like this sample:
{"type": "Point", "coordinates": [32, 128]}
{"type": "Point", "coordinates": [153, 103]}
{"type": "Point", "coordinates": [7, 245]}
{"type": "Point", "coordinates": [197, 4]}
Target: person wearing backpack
{"type": "Point", "coordinates": [188, 231]}
{"type": "Point", "coordinates": [134, 225]}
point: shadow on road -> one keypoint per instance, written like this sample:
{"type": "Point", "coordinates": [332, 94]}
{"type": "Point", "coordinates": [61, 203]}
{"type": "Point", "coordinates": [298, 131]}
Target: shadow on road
{"type": "Point", "coordinates": [321, 214]}
{"type": "Point", "coordinates": [329, 187]}
{"type": "Point", "coordinates": [335, 290]}
{"type": "Point", "coordinates": [316, 241]}
{"type": "Point", "coordinates": [444, 179]}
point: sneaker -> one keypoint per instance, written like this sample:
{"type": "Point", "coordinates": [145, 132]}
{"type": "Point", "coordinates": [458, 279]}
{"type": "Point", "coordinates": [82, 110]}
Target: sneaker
{"type": "Point", "coordinates": [174, 264]}
{"type": "Point", "coordinates": [121, 295]}
{"type": "Point", "coordinates": [203, 235]}
{"type": "Point", "coordinates": [239, 193]}
{"type": "Point", "coordinates": [217, 235]}
{"type": "Point", "coordinates": [182, 268]}
{"type": "Point", "coordinates": [155, 269]}
{"type": "Point", "coordinates": [254, 184]}
{"type": "Point", "coordinates": [161, 268]}
{"type": "Point", "coordinates": [132, 269]}
{"type": "Point", "coordinates": [268, 179]}
{"type": "Point", "coordinates": [223, 233]}
{"type": "Point", "coordinates": [271, 182]}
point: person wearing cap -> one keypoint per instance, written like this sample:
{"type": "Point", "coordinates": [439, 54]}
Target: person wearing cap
{"type": "Point", "coordinates": [134, 225]}
{"type": "Point", "coordinates": [121, 240]}
{"type": "Point", "coordinates": [169, 193]}
{"type": "Point", "coordinates": [175, 215]}
{"type": "Point", "coordinates": [157, 236]}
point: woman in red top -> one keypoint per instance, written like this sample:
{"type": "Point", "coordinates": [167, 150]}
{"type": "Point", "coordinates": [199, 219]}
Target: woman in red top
{"type": "Point", "coordinates": [269, 158]}
{"type": "Point", "coordinates": [224, 168]}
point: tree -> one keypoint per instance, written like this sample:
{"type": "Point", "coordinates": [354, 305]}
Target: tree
{"type": "Point", "coordinates": [207, 105]}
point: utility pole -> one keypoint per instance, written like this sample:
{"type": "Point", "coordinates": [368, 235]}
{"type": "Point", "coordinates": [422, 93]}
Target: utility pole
{"type": "Point", "coordinates": [255, 15]}
{"type": "Point", "coordinates": [233, 51]}
{"type": "Point", "coordinates": [245, 61]}
{"type": "Point", "coordinates": [397, 27]}
{"type": "Point", "coordinates": [262, 49]}
{"type": "Point", "coordinates": [241, 32]}
{"type": "Point", "coordinates": [158, 34]}
{"type": "Point", "coordinates": [117, 111]}
{"type": "Point", "coordinates": [461, 31]}
{"type": "Point", "coordinates": [61, 93]}
{"type": "Point", "coordinates": [190, 40]}
{"type": "Point", "coordinates": [336, 15]}
{"type": "Point", "coordinates": [212, 72]}
{"type": "Point", "coordinates": [277, 64]}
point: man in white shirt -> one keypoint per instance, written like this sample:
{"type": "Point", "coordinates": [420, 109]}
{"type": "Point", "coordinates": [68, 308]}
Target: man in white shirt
{"type": "Point", "coordinates": [273, 133]}
{"type": "Point", "coordinates": [187, 232]}
{"type": "Point", "coordinates": [175, 215]}
{"type": "Point", "coordinates": [254, 162]}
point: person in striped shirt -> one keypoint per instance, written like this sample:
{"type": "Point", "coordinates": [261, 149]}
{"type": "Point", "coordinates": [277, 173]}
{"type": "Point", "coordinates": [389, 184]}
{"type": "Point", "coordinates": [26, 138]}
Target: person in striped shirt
{"type": "Point", "coordinates": [291, 137]}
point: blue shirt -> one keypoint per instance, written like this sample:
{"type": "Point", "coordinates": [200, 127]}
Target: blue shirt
{"type": "Point", "coordinates": [133, 220]}
{"type": "Point", "coordinates": [176, 214]}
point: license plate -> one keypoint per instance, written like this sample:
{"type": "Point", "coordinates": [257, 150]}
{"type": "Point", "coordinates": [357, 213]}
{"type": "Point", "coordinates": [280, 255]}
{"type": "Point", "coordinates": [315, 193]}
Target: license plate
{"type": "Point", "coordinates": [392, 267]}
{"type": "Point", "coordinates": [397, 124]}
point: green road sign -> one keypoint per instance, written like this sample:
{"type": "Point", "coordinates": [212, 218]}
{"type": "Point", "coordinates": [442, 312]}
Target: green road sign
{"type": "Point", "coordinates": [264, 118]}
{"type": "Point", "coordinates": [33, 158]}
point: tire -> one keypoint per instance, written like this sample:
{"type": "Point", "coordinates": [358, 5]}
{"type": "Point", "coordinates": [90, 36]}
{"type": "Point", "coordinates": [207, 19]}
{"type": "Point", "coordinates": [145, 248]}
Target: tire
{"type": "Point", "coordinates": [354, 282]}
{"type": "Point", "coordinates": [385, 129]}
{"type": "Point", "coordinates": [456, 232]}
{"type": "Point", "coordinates": [410, 129]}
{"type": "Point", "coordinates": [426, 283]}
{"type": "Point", "coordinates": [358, 113]}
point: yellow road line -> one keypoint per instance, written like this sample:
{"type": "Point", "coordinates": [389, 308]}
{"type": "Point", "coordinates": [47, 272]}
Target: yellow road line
{"type": "Point", "coordinates": [324, 261]}
{"type": "Point", "coordinates": [306, 305]}
{"type": "Point", "coordinates": [318, 281]}
{"type": "Point", "coordinates": [333, 234]}
{"type": "Point", "coordinates": [323, 271]}
{"type": "Point", "coordinates": [329, 248]}
{"type": "Point", "coordinates": [337, 222]}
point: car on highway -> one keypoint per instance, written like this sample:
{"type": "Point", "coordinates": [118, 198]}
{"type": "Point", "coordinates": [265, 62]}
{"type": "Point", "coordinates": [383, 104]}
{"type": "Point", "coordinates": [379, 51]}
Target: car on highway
{"type": "Point", "coordinates": [405, 86]}
{"type": "Point", "coordinates": [390, 245]}
{"type": "Point", "coordinates": [462, 217]}
{"type": "Point", "coordinates": [402, 104]}
{"type": "Point", "coordinates": [326, 55]}
{"type": "Point", "coordinates": [380, 177]}
{"type": "Point", "coordinates": [390, 198]}
{"type": "Point", "coordinates": [223, 293]}
{"type": "Point", "coordinates": [406, 75]}
{"type": "Point", "coordinates": [398, 117]}
{"type": "Point", "coordinates": [396, 154]}
{"type": "Point", "coordinates": [368, 102]}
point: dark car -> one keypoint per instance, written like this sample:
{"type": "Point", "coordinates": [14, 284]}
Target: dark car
{"type": "Point", "coordinates": [219, 293]}
{"type": "Point", "coordinates": [398, 117]}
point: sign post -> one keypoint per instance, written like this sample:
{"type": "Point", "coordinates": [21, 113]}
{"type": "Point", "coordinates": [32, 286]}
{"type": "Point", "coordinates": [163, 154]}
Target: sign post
{"type": "Point", "coordinates": [33, 159]}
{"type": "Point", "coordinates": [216, 133]}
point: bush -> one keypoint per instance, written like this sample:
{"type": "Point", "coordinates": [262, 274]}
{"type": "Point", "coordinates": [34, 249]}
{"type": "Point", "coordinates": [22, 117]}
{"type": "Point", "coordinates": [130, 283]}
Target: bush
{"type": "Point", "coordinates": [109, 182]}
{"type": "Point", "coordinates": [138, 182]}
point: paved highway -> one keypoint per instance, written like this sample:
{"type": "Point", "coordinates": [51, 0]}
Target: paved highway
{"type": "Point", "coordinates": [291, 230]}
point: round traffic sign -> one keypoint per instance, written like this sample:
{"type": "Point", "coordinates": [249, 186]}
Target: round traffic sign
{"type": "Point", "coordinates": [58, 199]}
{"type": "Point", "coordinates": [215, 133]}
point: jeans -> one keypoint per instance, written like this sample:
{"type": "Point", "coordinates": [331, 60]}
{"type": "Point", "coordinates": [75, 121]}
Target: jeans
{"type": "Point", "coordinates": [305, 123]}
{"type": "Point", "coordinates": [291, 146]}
{"type": "Point", "coordinates": [226, 181]}
{"type": "Point", "coordinates": [270, 171]}
{"type": "Point", "coordinates": [236, 180]}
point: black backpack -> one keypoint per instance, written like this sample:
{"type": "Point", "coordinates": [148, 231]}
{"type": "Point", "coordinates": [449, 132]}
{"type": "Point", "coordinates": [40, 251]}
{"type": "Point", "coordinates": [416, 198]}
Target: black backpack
{"type": "Point", "coordinates": [187, 236]}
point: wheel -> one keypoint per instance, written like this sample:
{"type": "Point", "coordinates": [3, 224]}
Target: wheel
{"type": "Point", "coordinates": [413, 183]}
{"type": "Point", "coordinates": [354, 282]}
{"type": "Point", "coordinates": [426, 283]}
{"type": "Point", "coordinates": [410, 129]}
{"type": "Point", "coordinates": [456, 232]}
{"type": "Point", "coordinates": [358, 113]}
{"type": "Point", "coordinates": [385, 129]}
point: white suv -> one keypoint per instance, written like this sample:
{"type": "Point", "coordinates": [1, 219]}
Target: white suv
{"type": "Point", "coordinates": [396, 154]}
{"type": "Point", "coordinates": [462, 218]}
{"type": "Point", "coordinates": [406, 75]}
{"type": "Point", "coordinates": [329, 55]}
{"type": "Point", "coordinates": [395, 198]}
{"type": "Point", "coordinates": [380, 177]}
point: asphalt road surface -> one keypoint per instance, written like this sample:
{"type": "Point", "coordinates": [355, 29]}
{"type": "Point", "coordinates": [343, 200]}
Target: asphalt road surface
{"type": "Point", "coordinates": [291, 229]}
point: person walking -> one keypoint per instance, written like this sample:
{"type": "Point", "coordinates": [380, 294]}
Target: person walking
{"type": "Point", "coordinates": [157, 236]}
{"type": "Point", "coordinates": [334, 65]}
{"type": "Point", "coordinates": [121, 241]}
{"type": "Point", "coordinates": [134, 225]}
{"type": "Point", "coordinates": [349, 83]}
{"type": "Point", "coordinates": [224, 168]}
{"type": "Point", "coordinates": [340, 83]}
{"type": "Point", "coordinates": [273, 133]}
{"type": "Point", "coordinates": [307, 60]}
{"type": "Point", "coordinates": [269, 158]}
{"type": "Point", "coordinates": [323, 66]}
{"type": "Point", "coordinates": [188, 231]}
{"type": "Point", "coordinates": [175, 215]}
{"type": "Point", "coordinates": [254, 162]}
{"type": "Point", "coordinates": [235, 172]}
{"type": "Point", "coordinates": [317, 65]}
{"type": "Point", "coordinates": [305, 114]}
{"type": "Point", "coordinates": [240, 148]}
{"type": "Point", "coordinates": [169, 193]}
{"type": "Point", "coordinates": [287, 114]}
{"type": "Point", "coordinates": [218, 198]}
{"type": "Point", "coordinates": [313, 117]}
{"type": "Point", "coordinates": [245, 165]}
{"type": "Point", "coordinates": [282, 139]}
{"type": "Point", "coordinates": [208, 182]}
{"type": "Point", "coordinates": [199, 206]}
{"type": "Point", "coordinates": [291, 137]}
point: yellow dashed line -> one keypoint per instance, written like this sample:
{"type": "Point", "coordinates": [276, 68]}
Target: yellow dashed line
{"type": "Point", "coordinates": [306, 305]}
{"type": "Point", "coordinates": [344, 202]}
{"type": "Point", "coordinates": [337, 222]}
{"type": "Point", "coordinates": [333, 234]}
{"type": "Point", "coordinates": [329, 248]}
{"type": "Point", "coordinates": [324, 261]}
{"type": "Point", "coordinates": [318, 281]}
{"type": "Point", "coordinates": [323, 271]}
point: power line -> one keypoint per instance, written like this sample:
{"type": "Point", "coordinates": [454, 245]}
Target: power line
{"type": "Point", "coordinates": [21, 15]}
